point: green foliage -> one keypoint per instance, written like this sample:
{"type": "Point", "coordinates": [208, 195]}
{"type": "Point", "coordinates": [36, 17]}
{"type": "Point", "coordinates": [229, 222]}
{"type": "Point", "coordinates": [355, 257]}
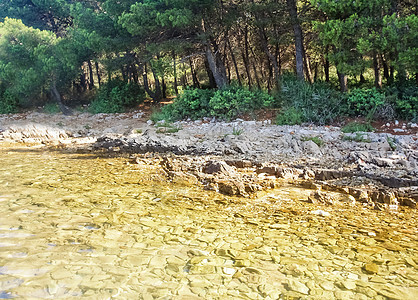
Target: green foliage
{"type": "Point", "coordinates": [230, 102]}
{"type": "Point", "coordinates": [317, 140]}
{"type": "Point", "coordinates": [359, 138]}
{"type": "Point", "coordinates": [365, 102]}
{"type": "Point", "coordinates": [226, 104]}
{"type": "Point", "coordinates": [290, 116]}
{"type": "Point", "coordinates": [51, 108]}
{"type": "Point", "coordinates": [304, 103]}
{"type": "Point", "coordinates": [404, 99]}
{"type": "Point", "coordinates": [8, 103]}
{"type": "Point", "coordinates": [237, 131]}
{"type": "Point", "coordinates": [392, 143]}
{"type": "Point", "coordinates": [115, 96]}
{"type": "Point", "coordinates": [357, 127]}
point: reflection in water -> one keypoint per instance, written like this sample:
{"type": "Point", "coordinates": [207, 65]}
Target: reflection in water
{"type": "Point", "coordinates": [77, 226]}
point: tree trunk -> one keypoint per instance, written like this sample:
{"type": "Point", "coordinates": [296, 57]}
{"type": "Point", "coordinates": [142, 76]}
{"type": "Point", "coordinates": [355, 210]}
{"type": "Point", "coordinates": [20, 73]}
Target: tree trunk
{"type": "Point", "coordinates": [212, 82]}
{"type": "Point", "coordinates": [377, 75]}
{"type": "Point", "coordinates": [385, 68]}
{"type": "Point", "coordinates": [271, 57]}
{"type": "Point", "coordinates": [99, 80]}
{"type": "Point", "coordinates": [145, 79]}
{"type": "Point", "coordinates": [157, 93]}
{"type": "Point", "coordinates": [91, 79]}
{"type": "Point", "coordinates": [343, 82]}
{"type": "Point", "coordinates": [196, 83]}
{"type": "Point", "coordinates": [246, 57]}
{"type": "Point", "coordinates": [291, 6]}
{"type": "Point", "coordinates": [176, 90]}
{"type": "Point", "coordinates": [257, 79]}
{"type": "Point", "coordinates": [326, 65]}
{"type": "Point", "coordinates": [216, 66]}
{"type": "Point", "coordinates": [234, 61]}
{"type": "Point", "coordinates": [56, 95]}
{"type": "Point", "coordinates": [307, 67]}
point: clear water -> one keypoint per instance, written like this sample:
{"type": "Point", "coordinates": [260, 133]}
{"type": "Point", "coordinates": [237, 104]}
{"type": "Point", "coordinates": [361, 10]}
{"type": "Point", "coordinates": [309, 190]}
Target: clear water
{"type": "Point", "coordinates": [85, 226]}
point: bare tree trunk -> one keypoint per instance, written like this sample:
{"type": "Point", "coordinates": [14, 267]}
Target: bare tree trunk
{"type": "Point", "coordinates": [91, 79]}
{"type": "Point", "coordinates": [291, 6]}
{"type": "Point", "coordinates": [158, 93]}
{"type": "Point", "coordinates": [216, 66]}
{"type": "Point", "coordinates": [343, 81]}
{"type": "Point", "coordinates": [326, 65]}
{"type": "Point", "coordinates": [234, 61]}
{"type": "Point", "coordinates": [144, 72]}
{"type": "Point", "coordinates": [196, 83]}
{"type": "Point", "coordinates": [307, 66]}
{"type": "Point", "coordinates": [271, 57]}
{"type": "Point", "coordinates": [257, 79]}
{"type": "Point", "coordinates": [176, 90]}
{"type": "Point", "coordinates": [377, 75]}
{"type": "Point", "coordinates": [212, 82]}
{"type": "Point", "coordinates": [246, 57]}
{"type": "Point", "coordinates": [56, 95]}
{"type": "Point", "coordinates": [99, 79]}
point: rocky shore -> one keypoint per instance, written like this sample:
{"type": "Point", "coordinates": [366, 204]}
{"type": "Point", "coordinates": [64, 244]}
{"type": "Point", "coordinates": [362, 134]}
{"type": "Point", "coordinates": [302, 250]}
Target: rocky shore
{"type": "Point", "coordinates": [241, 157]}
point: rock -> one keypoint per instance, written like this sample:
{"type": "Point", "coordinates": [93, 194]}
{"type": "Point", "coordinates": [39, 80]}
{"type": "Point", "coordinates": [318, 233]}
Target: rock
{"type": "Point", "coordinates": [318, 197]}
{"type": "Point", "coordinates": [297, 286]}
{"type": "Point", "coordinates": [150, 122]}
{"type": "Point", "coordinates": [371, 268]}
{"type": "Point", "coordinates": [218, 167]}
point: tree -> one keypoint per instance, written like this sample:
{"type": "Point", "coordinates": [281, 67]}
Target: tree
{"type": "Point", "coordinates": [33, 61]}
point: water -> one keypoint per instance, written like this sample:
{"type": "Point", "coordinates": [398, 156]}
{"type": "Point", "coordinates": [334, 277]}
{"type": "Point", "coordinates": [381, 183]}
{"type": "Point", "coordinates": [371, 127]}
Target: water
{"type": "Point", "coordinates": [85, 226]}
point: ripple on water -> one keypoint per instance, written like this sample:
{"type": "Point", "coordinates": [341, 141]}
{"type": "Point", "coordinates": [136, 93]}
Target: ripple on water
{"type": "Point", "coordinates": [85, 226]}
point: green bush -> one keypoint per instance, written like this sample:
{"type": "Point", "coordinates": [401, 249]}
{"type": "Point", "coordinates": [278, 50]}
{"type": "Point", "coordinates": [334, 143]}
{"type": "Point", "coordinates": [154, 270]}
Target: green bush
{"type": "Point", "coordinates": [8, 103]}
{"type": "Point", "coordinates": [404, 99]}
{"type": "Point", "coordinates": [364, 102]}
{"type": "Point", "coordinates": [117, 95]}
{"type": "Point", "coordinates": [357, 127]}
{"type": "Point", "coordinates": [302, 102]}
{"type": "Point", "coordinates": [226, 103]}
{"type": "Point", "coordinates": [51, 108]}
{"type": "Point", "coordinates": [229, 103]}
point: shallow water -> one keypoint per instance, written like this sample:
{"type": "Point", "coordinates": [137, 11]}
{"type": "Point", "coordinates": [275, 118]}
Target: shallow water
{"type": "Point", "coordinates": [84, 226]}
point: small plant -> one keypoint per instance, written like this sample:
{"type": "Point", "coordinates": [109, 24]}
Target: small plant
{"type": "Point", "coordinates": [237, 131]}
{"type": "Point", "coordinates": [317, 140]}
{"type": "Point", "coordinates": [167, 127]}
{"type": "Point", "coordinates": [87, 127]}
{"type": "Point", "coordinates": [60, 124]}
{"type": "Point", "coordinates": [137, 131]}
{"type": "Point", "coordinates": [51, 108]}
{"type": "Point", "coordinates": [290, 116]}
{"type": "Point", "coordinates": [8, 103]}
{"type": "Point", "coordinates": [365, 102]}
{"type": "Point", "coordinates": [392, 143]}
{"type": "Point", "coordinates": [117, 95]}
{"type": "Point", "coordinates": [359, 137]}
{"type": "Point", "coordinates": [357, 127]}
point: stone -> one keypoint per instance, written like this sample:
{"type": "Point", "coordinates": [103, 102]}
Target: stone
{"type": "Point", "coordinates": [318, 197]}
{"type": "Point", "coordinates": [371, 268]}
{"type": "Point", "coordinates": [297, 286]}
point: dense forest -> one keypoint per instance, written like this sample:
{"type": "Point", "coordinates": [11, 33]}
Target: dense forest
{"type": "Point", "coordinates": [314, 60]}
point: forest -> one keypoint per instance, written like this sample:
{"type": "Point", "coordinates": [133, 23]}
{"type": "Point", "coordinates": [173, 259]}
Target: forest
{"type": "Point", "coordinates": [311, 60]}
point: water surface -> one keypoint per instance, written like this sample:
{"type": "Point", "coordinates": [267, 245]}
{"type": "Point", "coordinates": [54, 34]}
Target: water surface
{"type": "Point", "coordinates": [85, 226]}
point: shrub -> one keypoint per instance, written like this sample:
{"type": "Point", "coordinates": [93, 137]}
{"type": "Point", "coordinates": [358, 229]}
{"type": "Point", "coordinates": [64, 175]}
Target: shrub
{"type": "Point", "coordinates": [117, 95]}
{"type": "Point", "coordinates": [317, 140]}
{"type": "Point", "coordinates": [8, 103]}
{"type": "Point", "coordinates": [229, 103]}
{"type": "Point", "coordinates": [51, 108]}
{"type": "Point", "coordinates": [357, 127]}
{"type": "Point", "coordinates": [305, 103]}
{"type": "Point", "coordinates": [364, 102]}
{"type": "Point", "coordinates": [404, 99]}
{"type": "Point", "coordinates": [226, 103]}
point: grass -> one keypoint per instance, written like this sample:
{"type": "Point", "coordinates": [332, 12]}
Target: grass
{"type": "Point", "coordinates": [237, 131]}
{"type": "Point", "coordinates": [392, 143]}
{"type": "Point", "coordinates": [167, 127]}
{"type": "Point", "coordinates": [317, 140]}
{"type": "Point", "coordinates": [357, 127]}
{"type": "Point", "coordinates": [51, 108]}
{"type": "Point", "coordinates": [359, 137]}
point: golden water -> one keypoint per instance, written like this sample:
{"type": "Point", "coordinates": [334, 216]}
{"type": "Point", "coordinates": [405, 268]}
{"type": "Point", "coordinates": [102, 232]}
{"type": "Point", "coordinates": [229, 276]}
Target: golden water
{"type": "Point", "coordinates": [84, 226]}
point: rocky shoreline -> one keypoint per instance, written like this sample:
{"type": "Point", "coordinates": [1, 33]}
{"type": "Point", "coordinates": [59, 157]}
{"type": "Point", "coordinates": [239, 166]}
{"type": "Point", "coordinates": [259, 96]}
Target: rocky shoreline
{"type": "Point", "coordinates": [242, 157]}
